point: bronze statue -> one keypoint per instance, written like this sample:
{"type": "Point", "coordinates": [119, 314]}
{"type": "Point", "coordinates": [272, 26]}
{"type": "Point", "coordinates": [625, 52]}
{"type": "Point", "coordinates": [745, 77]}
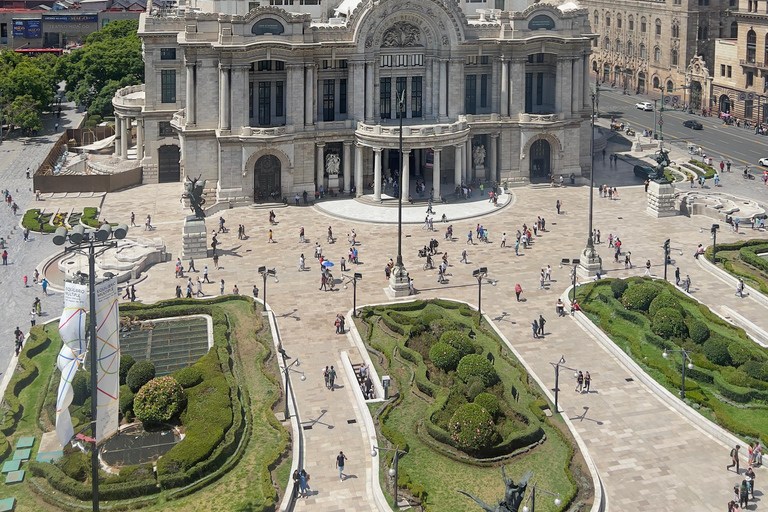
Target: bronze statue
{"type": "Point", "coordinates": [662, 161]}
{"type": "Point", "coordinates": [194, 192]}
{"type": "Point", "coordinates": [513, 495]}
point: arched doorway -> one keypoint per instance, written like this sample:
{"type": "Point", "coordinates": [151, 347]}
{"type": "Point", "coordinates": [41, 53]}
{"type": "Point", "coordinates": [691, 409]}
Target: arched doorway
{"type": "Point", "coordinates": [266, 179]}
{"type": "Point", "coordinates": [540, 160]}
{"type": "Point", "coordinates": [641, 83]}
{"type": "Point", "coordinates": [725, 104]}
{"type": "Point", "coordinates": [168, 164]}
{"type": "Point", "coordinates": [695, 95]}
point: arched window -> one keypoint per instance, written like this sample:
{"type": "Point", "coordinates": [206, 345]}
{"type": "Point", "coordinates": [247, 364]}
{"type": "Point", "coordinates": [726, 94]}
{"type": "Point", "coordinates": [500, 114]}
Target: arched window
{"type": "Point", "coordinates": [658, 27]}
{"type": "Point", "coordinates": [675, 30]}
{"type": "Point", "coordinates": [594, 66]}
{"type": "Point", "coordinates": [734, 30]}
{"type": "Point", "coordinates": [618, 21]}
{"type": "Point", "coordinates": [631, 21]}
{"type": "Point", "coordinates": [643, 52]}
{"type": "Point", "coordinates": [673, 57]}
{"type": "Point", "coordinates": [670, 86]}
{"type": "Point", "coordinates": [607, 43]}
{"type": "Point", "coordinates": [597, 18]}
{"type": "Point", "coordinates": [618, 46]}
{"type": "Point", "coordinates": [657, 54]}
{"type": "Point", "coordinates": [703, 32]}
{"type": "Point", "coordinates": [643, 25]}
{"type": "Point", "coordinates": [630, 49]}
{"type": "Point", "coordinates": [607, 20]}
{"type": "Point", "coordinates": [656, 83]}
{"type": "Point", "coordinates": [751, 46]}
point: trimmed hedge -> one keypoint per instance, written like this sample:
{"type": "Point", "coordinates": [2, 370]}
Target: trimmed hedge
{"type": "Point", "coordinates": [139, 374]}
{"type": "Point", "coordinates": [709, 171]}
{"type": "Point", "coordinates": [459, 341]}
{"type": "Point", "coordinates": [444, 356]}
{"type": "Point", "coordinates": [716, 350]}
{"type": "Point", "coordinates": [664, 300]}
{"type": "Point", "coordinates": [26, 372]}
{"type": "Point", "coordinates": [490, 403]}
{"type": "Point", "coordinates": [472, 428]}
{"type": "Point", "coordinates": [638, 297]}
{"type": "Point", "coordinates": [475, 365]}
{"type": "Point", "coordinates": [159, 400]}
{"type": "Point", "coordinates": [126, 399]}
{"type": "Point", "coordinates": [82, 491]}
{"type": "Point", "coordinates": [90, 216]}
{"type": "Point", "coordinates": [36, 222]}
{"type": "Point", "coordinates": [668, 323]}
{"type": "Point", "coordinates": [189, 377]}
{"type": "Point", "coordinates": [126, 362]}
{"type": "Point", "coordinates": [697, 330]}
{"type": "Point", "coordinates": [618, 287]}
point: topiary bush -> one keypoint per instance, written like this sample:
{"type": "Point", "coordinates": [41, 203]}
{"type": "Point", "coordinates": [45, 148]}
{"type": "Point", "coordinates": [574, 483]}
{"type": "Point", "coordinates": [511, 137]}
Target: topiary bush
{"type": "Point", "coordinates": [668, 323]}
{"type": "Point", "coordinates": [698, 331]}
{"type": "Point", "coordinates": [618, 286]}
{"type": "Point", "coordinates": [188, 377]}
{"type": "Point", "coordinates": [475, 365]}
{"type": "Point", "coordinates": [126, 399]}
{"type": "Point", "coordinates": [663, 300]}
{"type": "Point", "coordinates": [716, 351]}
{"type": "Point", "coordinates": [459, 341]}
{"type": "Point", "coordinates": [80, 387]}
{"type": "Point", "coordinates": [139, 374]}
{"type": "Point", "coordinates": [158, 400]}
{"type": "Point", "coordinates": [472, 428]}
{"type": "Point", "coordinates": [438, 327]}
{"type": "Point", "coordinates": [444, 356]}
{"type": "Point", "coordinates": [490, 403]}
{"type": "Point", "coordinates": [639, 297]}
{"type": "Point", "coordinates": [126, 362]}
{"type": "Point", "coordinates": [739, 353]}
{"type": "Point", "coordinates": [755, 370]}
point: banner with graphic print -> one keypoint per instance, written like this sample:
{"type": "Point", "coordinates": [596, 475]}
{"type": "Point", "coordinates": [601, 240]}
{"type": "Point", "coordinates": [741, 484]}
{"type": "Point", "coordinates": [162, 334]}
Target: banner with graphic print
{"type": "Point", "coordinates": [72, 331]}
{"type": "Point", "coordinates": [107, 359]}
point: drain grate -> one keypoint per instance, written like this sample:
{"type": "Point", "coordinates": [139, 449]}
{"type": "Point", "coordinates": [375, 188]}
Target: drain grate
{"type": "Point", "coordinates": [630, 379]}
{"type": "Point", "coordinates": [351, 421]}
{"type": "Point", "coordinates": [307, 427]}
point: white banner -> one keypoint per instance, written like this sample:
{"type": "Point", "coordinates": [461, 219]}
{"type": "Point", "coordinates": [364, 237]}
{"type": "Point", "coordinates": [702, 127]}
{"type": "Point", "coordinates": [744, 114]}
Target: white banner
{"type": "Point", "coordinates": [72, 332]}
{"type": "Point", "coordinates": [108, 359]}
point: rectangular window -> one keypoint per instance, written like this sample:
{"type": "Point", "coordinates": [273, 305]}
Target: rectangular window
{"type": "Point", "coordinates": [539, 57]}
{"type": "Point", "coordinates": [167, 53]}
{"type": "Point", "coordinates": [750, 79]}
{"type": "Point", "coordinates": [729, 71]}
{"type": "Point", "coordinates": [343, 95]}
{"type": "Point", "coordinates": [279, 98]}
{"type": "Point", "coordinates": [386, 61]}
{"type": "Point", "coordinates": [250, 100]}
{"type": "Point", "coordinates": [530, 59]}
{"type": "Point", "coordinates": [470, 94]}
{"type": "Point", "coordinates": [168, 85]}
{"type": "Point", "coordinates": [483, 91]}
{"type": "Point", "coordinates": [484, 59]}
{"type": "Point", "coordinates": [265, 98]}
{"type": "Point", "coordinates": [528, 91]}
{"type": "Point", "coordinates": [265, 65]}
{"type": "Point", "coordinates": [416, 97]}
{"type": "Point", "coordinates": [400, 85]}
{"type": "Point", "coordinates": [279, 65]}
{"type": "Point", "coordinates": [164, 129]}
{"type": "Point", "coordinates": [329, 94]}
{"type": "Point", "coordinates": [631, 24]}
{"type": "Point", "coordinates": [642, 26]}
{"type": "Point", "coordinates": [385, 98]}
{"type": "Point", "coordinates": [748, 107]}
{"type": "Point", "coordinates": [539, 88]}
{"type": "Point", "coordinates": [722, 69]}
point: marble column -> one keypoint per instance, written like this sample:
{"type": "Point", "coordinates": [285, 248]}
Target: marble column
{"type": "Point", "coordinates": [458, 160]}
{"type": "Point", "coordinates": [562, 105]}
{"type": "Point", "coordinates": [309, 93]}
{"type": "Point", "coordinates": [504, 87]}
{"type": "Point", "coordinates": [406, 174]}
{"type": "Point", "coordinates": [118, 135]}
{"type": "Point", "coordinates": [347, 165]}
{"type": "Point", "coordinates": [191, 117]}
{"type": "Point", "coordinates": [139, 139]}
{"type": "Point", "coordinates": [586, 100]}
{"type": "Point", "coordinates": [436, 176]}
{"type": "Point", "coordinates": [467, 168]}
{"type": "Point", "coordinates": [575, 96]}
{"type": "Point", "coordinates": [358, 90]}
{"type": "Point", "coordinates": [125, 132]}
{"type": "Point", "coordinates": [224, 98]}
{"type": "Point", "coordinates": [455, 95]}
{"type": "Point", "coordinates": [427, 86]}
{"type": "Point", "coordinates": [377, 174]}
{"type": "Point", "coordinates": [443, 98]}
{"type": "Point", "coordinates": [369, 92]}
{"type": "Point", "coordinates": [517, 96]}
{"type": "Point", "coordinates": [319, 164]}
{"type": "Point", "coordinates": [238, 85]}
{"type": "Point", "coordinates": [358, 170]}
{"type": "Point", "coordinates": [493, 163]}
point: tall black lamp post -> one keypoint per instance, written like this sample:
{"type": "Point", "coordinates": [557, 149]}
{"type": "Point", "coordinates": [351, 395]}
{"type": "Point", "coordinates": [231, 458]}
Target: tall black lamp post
{"type": "Point", "coordinates": [399, 282]}
{"type": "Point", "coordinates": [95, 242]}
{"type": "Point", "coordinates": [557, 366]}
{"type": "Point", "coordinates": [661, 113]}
{"type": "Point", "coordinates": [686, 358]}
{"type": "Point", "coordinates": [713, 230]}
{"type": "Point", "coordinates": [590, 259]}
{"type": "Point", "coordinates": [264, 273]}
{"type": "Point", "coordinates": [666, 257]}
{"type": "Point", "coordinates": [481, 274]}
{"type": "Point", "coordinates": [287, 369]}
{"type": "Point", "coordinates": [393, 469]}
{"type": "Point", "coordinates": [355, 278]}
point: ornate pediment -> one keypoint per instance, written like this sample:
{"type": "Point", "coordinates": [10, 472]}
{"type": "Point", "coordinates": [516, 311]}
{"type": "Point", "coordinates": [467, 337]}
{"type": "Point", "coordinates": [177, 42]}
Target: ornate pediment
{"type": "Point", "coordinates": [402, 35]}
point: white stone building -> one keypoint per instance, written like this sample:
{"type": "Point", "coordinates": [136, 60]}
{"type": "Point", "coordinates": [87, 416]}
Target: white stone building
{"type": "Point", "coordinates": [277, 100]}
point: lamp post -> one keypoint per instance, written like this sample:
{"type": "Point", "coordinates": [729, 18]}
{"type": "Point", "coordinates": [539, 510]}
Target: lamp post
{"type": "Point", "coordinates": [573, 279]}
{"type": "Point", "coordinates": [481, 274]}
{"type": "Point", "coordinates": [287, 369]}
{"type": "Point", "coordinates": [557, 366]}
{"type": "Point", "coordinates": [392, 470]}
{"type": "Point", "coordinates": [355, 278]}
{"type": "Point", "coordinates": [713, 230]}
{"type": "Point", "coordinates": [399, 281]}
{"type": "Point", "coordinates": [686, 357]}
{"type": "Point", "coordinates": [96, 242]}
{"type": "Point", "coordinates": [666, 257]}
{"type": "Point", "coordinates": [532, 498]}
{"type": "Point", "coordinates": [264, 273]}
{"type": "Point", "coordinates": [661, 113]}
{"type": "Point", "coordinates": [592, 261]}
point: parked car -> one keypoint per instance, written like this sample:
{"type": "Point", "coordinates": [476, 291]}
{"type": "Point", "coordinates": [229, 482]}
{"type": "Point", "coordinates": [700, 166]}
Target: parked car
{"type": "Point", "coordinates": [763, 162]}
{"type": "Point", "coordinates": [693, 125]}
{"type": "Point", "coordinates": [644, 105]}
{"type": "Point", "coordinates": [644, 173]}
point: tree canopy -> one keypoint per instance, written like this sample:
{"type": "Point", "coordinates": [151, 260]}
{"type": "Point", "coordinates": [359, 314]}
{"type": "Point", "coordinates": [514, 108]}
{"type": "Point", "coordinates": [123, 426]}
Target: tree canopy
{"type": "Point", "coordinates": [28, 85]}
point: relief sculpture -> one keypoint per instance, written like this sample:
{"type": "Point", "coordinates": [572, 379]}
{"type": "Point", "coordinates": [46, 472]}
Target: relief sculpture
{"type": "Point", "coordinates": [401, 35]}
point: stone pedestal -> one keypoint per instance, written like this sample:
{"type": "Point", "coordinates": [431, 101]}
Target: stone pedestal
{"type": "Point", "coordinates": [589, 264]}
{"type": "Point", "coordinates": [333, 182]}
{"type": "Point", "coordinates": [661, 200]}
{"type": "Point", "coordinates": [399, 285]}
{"type": "Point", "coordinates": [637, 146]}
{"type": "Point", "coordinates": [480, 172]}
{"type": "Point", "coordinates": [194, 239]}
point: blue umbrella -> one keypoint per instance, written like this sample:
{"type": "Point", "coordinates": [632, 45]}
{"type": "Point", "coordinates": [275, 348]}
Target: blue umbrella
{"type": "Point", "coordinates": [327, 263]}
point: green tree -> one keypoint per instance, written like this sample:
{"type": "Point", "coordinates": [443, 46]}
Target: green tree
{"type": "Point", "coordinates": [23, 113]}
{"type": "Point", "coordinates": [27, 79]}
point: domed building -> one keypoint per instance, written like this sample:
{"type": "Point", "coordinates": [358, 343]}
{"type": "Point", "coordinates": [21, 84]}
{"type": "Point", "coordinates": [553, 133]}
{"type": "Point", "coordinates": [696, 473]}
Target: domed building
{"type": "Point", "coordinates": [269, 101]}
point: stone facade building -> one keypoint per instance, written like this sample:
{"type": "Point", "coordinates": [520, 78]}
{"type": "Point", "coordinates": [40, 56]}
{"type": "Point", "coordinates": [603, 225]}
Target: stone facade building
{"type": "Point", "coordinates": [645, 45]}
{"type": "Point", "coordinates": [273, 101]}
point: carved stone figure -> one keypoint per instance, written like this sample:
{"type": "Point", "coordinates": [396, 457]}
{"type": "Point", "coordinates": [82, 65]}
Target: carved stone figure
{"type": "Point", "coordinates": [401, 35]}
{"type": "Point", "coordinates": [513, 495]}
{"type": "Point", "coordinates": [332, 164]}
{"type": "Point", "coordinates": [478, 155]}
{"type": "Point", "coordinates": [662, 160]}
{"type": "Point", "coordinates": [194, 192]}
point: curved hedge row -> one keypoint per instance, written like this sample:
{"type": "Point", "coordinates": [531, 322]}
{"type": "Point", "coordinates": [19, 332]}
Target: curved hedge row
{"type": "Point", "coordinates": [26, 372]}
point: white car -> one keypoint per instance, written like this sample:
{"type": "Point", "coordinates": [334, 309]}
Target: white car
{"type": "Point", "coordinates": [763, 162]}
{"type": "Point", "coordinates": [644, 105]}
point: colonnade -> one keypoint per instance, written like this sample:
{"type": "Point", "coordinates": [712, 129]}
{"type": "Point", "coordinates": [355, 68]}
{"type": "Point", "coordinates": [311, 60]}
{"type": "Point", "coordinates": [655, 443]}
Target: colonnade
{"type": "Point", "coordinates": [123, 136]}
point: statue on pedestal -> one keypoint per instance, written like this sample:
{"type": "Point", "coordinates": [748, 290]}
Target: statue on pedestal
{"type": "Point", "coordinates": [332, 164]}
{"type": "Point", "coordinates": [478, 155]}
{"type": "Point", "coordinates": [513, 496]}
{"type": "Point", "coordinates": [662, 161]}
{"type": "Point", "coordinates": [194, 192]}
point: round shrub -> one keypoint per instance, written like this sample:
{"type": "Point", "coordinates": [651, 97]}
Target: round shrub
{"type": "Point", "coordinates": [472, 428]}
{"type": "Point", "coordinates": [444, 356]}
{"type": "Point", "coordinates": [698, 331]}
{"type": "Point", "coordinates": [459, 341]}
{"type": "Point", "coordinates": [126, 399]}
{"type": "Point", "coordinates": [716, 351]}
{"type": "Point", "coordinates": [80, 388]}
{"type": "Point", "coordinates": [639, 297]}
{"type": "Point", "coordinates": [668, 323]}
{"type": "Point", "coordinates": [618, 286]}
{"type": "Point", "coordinates": [158, 400]}
{"type": "Point", "coordinates": [139, 374]}
{"type": "Point", "coordinates": [428, 317]}
{"type": "Point", "coordinates": [126, 361]}
{"type": "Point", "coordinates": [475, 387]}
{"type": "Point", "coordinates": [739, 353]}
{"type": "Point", "coordinates": [438, 327]}
{"type": "Point", "coordinates": [663, 300]}
{"type": "Point", "coordinates": [755, 370]}
{"type": "Point", "coordinates": [189, 376]}
{"type": "Point", "coordinates": [490, 403]}
{"type": "Point", "coordinates": [475, 365]}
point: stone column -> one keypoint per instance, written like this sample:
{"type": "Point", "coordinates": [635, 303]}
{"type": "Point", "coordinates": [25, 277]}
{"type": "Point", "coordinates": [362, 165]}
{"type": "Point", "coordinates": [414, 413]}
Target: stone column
{"type": "Point", "coordinates": [347, 165]}
{"type": "Point", "coordinates": [191, 86]}
{"type": "Point", "coordinates": [295, 95]}
{"type": "Point", "coordinates": [427, 86]}
{"type": "Point", "coordinates": [125, 132]}
{"type": "Point", "coordinates": [139, 139]}
{"type": "Point", "coordinates": [436, 173]}
{"type": "Point", "coordinates": [224, 98]}
{"type": "Point", "coordinates": [408, 105]}
{"type": "Point", "coordinates": [517, 96]}
{"type": "Point", "coordinates": [456, 93]}
{"type": "Point", "coordinates": [309, 93]}
{"type": "Point", "coordinates": [562, 103]}
{"type": "Point", "coordinates": [504, 87]}
{"type": "Point", "coordinates": [458, 160]}
{"type": "Point", "coordinates": [118, 135]}
{"type": "Point", "coordinates": [377, 174]}
{"type": "Point", "coordinates": [319, 164]}
{"type": "Point", "coordinates": [443, 98]}
{"type": "Point", "coordinates": [576, 83]}
{"type": "Point", "coordinates": [357, 83]}
{"type": "Point", "coordinates": [467, 175]}
{"type": "Point", "coordinates": [369, 92]}
{"type": "Point", "coordinates": [406, 174]}
{"type": "Point", "coordinates": [493, 163]}
{"type": "Point", "coordinates": [585, 90]}
{"type": "Point", "coordinates": [358, 170]}
{"type": "Point", "coordinates": [239, 94]}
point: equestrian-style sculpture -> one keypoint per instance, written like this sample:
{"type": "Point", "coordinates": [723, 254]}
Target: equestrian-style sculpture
{"type": "Point", "coordinates": [662, 160]}
{"type": "Point", "coordinates": [194, 192]}
{"type": "Point", "coordinates": [513, 495]}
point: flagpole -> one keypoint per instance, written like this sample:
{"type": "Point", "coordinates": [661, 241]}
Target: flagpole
{"type": "Point", "coordinates": [94, 374]}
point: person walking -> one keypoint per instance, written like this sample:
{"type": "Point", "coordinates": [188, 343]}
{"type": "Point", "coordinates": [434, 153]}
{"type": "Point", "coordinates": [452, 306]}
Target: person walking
{"type": "Point", "coordinates": [558, 204]}
{"type": "Point", "coordinates": [5, 257]}
{"type": "Point", "coordinates": [270, 241]}
{"type": "Point", "coordinates": [331, 378]}
{"type": "Point", "coordinates": [303, 480]}
{"type": "Point", "coordinates": [464, 256]}
{"type": "Point", "coordinates": [326, 377]}
{"type": "Point", "coordinates": [579, 382]}
{"type": "Point", "coordinates": [340, 465]}
{"type": "Point", "coordinates": [221, 287]}
{"type": "Point", "coordinates": [44, 284]}
{"type": "Point", "coordinates": [199, 284]}
{"type": "Point", "coordinates": [535, 326]}
{"type": "Point", "coordinates": [32, 317]}
{"type": "Point", "coordinates": [734, 458]}
{"type": "Point", "coordinates": [541, 325]}
{"type": "Point", "coordinates": [587, 380]}
{"type": "Point", "coordinates": [647, 268]}
{"type": "Point", "coordinates": [504, 240]}
{"type": "Point", "coordinates": [215, 261]}
{"type": "Point", "coordinates": [677, 276]}
{"type": "Point", "coordinates": [469, 238]}
{"type": "Point", "coordinates": [518, 291]}
{"type": "Point", "coordinates": [740, 288]}
{"type": "Point", "coordinates": [205, 274]}
{"type": "Point", "coordinates": [548, 273]}
{"type": "Point", "coordinates": [541, 279]}
{"type": "Point", "coordinates": [191, 266]}
{"type": "Point", "coordinates": [133, 293]}
{"type": "Point", "coordinates": [323, 282]}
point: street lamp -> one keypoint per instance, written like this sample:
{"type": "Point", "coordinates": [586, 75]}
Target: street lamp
{"type": "Point", "coordinates": [264, 273]}
{"type": "Point", "coordinates": [357, 276]}
{"type": "Point", "coordinates": [713, 230]}
{"type": "Point", "coordinates": [666, 257]}
{"type": "Point", "coordinates": [399, 282]}
{"type": "Point", "coordinates": [686, 357]}
{"type": "Point", "coordinates": [661, 113]}
{"type": "Point", "coordinates": [576, 263]}
{"type": "Point", "coordinates": [593, 262]}
{"type": "Point", "coordinates": [393, 470]}
{"type": "Point", "coordinates": [557, 366]}
{"type": "Point", "coordinates": [532, 498]}
{"type": "Point", "coordinates": [481, 274]}
{"type": "Point", "coordinates": [287, 369]}
{"type": "Point", "coordinates": [97, 241]}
